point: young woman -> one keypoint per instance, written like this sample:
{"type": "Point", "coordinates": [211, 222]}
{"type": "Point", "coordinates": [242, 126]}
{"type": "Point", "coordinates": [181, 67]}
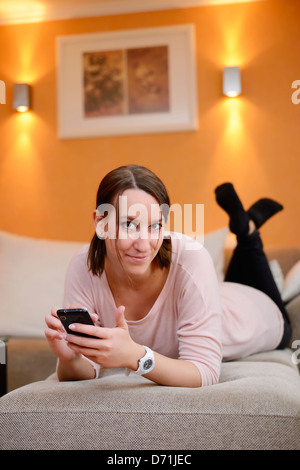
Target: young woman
{"type": "Point", "coordinates": [157, 307]}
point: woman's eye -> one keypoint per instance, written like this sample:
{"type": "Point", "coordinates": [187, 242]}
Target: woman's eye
{"type": "Point", "coordinates": [155, 227]}
{"type": "Point", "coordinates": [129, 225]}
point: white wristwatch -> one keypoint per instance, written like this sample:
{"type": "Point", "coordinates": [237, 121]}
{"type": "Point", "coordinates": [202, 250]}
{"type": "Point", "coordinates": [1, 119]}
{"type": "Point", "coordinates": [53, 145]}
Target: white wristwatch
{"type": "Point", "coordinates": [146, 363]}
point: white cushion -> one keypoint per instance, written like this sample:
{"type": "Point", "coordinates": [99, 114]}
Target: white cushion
{"type": "Point", "coordinates": [32, 273]}
{"type": "Point", "coordinates": [214, 242]}
{"type": "Point", "coordinates": [291, 287]}
{"type": "Point", "coordinates": [277, 274]}
{"type": "Point", "coordinates": [288, 286]}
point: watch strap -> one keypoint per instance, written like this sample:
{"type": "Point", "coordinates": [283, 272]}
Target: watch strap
{"type": "Point", "coordinates": [146, 363]}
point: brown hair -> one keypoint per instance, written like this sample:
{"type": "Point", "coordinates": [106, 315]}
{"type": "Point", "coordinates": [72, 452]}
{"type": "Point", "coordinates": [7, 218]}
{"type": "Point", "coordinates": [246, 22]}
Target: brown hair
{"type": "Point", "coordinates": [110, 188]}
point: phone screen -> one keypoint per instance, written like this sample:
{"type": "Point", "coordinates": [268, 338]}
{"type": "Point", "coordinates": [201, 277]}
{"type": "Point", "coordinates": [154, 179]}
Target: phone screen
{"type": "Point", "coordinates": [75, 315]}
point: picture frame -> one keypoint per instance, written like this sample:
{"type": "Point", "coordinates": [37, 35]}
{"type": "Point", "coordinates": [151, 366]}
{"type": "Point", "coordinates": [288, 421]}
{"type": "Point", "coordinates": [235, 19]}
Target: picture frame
{"type": "Point", "coordinates": [127, 82]}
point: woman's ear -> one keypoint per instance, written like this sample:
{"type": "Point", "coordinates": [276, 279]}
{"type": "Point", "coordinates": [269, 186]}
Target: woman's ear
{"type": "Point", "coordinates": [105, 225]}
{"type": "Point", "coordinates": [99, 224]}
{"type": "Point", "coordinates": [96, 217]}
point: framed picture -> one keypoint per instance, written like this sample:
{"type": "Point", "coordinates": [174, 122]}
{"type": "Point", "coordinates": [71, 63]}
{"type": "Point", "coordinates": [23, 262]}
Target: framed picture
{"type": "Point", "coordinates": [127, 82]}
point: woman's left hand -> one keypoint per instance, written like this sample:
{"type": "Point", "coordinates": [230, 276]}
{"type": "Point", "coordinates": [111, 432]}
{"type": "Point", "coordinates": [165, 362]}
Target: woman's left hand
{"type": "Point", "coordinates": [112, 348]}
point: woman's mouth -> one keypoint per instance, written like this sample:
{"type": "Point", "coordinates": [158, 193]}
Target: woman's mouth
{"type": "Point", "coordinates": [138, 258]}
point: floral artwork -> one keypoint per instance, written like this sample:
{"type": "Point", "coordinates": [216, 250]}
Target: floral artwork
{"type": "Point", "coordinates": [126, 81]}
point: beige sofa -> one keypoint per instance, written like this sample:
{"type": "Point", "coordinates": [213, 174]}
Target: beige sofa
{"type": "Point", "coordinates": [256, 405]}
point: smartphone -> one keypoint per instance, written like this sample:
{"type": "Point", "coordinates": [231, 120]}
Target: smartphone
{"type": "Point", "coordinates": [75, 315]}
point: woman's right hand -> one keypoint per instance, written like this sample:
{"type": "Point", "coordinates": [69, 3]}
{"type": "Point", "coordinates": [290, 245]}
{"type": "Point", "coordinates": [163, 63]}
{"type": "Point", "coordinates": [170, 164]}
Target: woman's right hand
{"type": "Point", "coordinates": [71, 365]}
{"type": "Point", "coordinates": [56, 335]}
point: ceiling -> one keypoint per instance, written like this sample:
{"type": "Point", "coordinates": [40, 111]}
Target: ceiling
{"type": "Point", "coordinates": [28, 11]}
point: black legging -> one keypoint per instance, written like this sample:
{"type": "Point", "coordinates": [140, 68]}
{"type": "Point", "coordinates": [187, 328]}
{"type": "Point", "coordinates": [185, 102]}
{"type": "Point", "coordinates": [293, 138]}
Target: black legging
{"type": "Point", "coordinates": [249, 266]}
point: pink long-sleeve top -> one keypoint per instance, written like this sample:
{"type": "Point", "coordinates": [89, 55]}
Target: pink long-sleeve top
{"type": "Point", "coordinates": [194, 317]}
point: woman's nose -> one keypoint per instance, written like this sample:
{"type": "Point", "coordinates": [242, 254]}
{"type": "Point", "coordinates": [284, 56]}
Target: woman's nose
{"type": "Point", "coordinates": [141, 239]}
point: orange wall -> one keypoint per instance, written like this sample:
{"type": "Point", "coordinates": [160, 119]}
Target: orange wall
{"type": "Point", "coordinates": [48, 185]}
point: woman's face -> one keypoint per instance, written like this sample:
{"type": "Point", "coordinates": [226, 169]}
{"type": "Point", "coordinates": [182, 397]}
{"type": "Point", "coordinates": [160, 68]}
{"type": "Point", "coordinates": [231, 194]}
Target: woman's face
{"type": "Point", "coordinates": [140, 233]}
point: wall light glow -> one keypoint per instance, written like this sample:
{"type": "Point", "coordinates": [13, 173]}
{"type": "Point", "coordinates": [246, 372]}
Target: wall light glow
{"type": "Point", "coordinates": [22, 11]}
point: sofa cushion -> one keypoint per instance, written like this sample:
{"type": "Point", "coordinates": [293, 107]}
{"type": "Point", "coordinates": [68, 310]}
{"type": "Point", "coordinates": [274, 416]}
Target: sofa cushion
{"type": "Point", "coordinates": [32, 274]}
{"type": "Point", "coordinates": [214, 242]}
{"type": "Point", "coordinates": [291, 287]}
{"type": "Point", "coordinates": [256, 405]}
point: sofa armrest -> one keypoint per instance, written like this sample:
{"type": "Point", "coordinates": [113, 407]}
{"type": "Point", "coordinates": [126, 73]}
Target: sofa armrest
{"type": "Point", "coordinates": [255, 406]}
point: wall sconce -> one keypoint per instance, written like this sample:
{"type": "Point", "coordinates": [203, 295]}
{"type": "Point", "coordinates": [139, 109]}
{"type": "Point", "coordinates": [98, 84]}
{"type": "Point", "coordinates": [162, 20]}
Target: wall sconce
{"type": "Point", "coordinates": [232, 81]}
{"type": "Point", "coordinates": [21, 97]}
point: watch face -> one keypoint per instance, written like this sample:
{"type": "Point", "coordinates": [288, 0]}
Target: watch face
{"type": "Point", "coordinates": [147, 364]}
